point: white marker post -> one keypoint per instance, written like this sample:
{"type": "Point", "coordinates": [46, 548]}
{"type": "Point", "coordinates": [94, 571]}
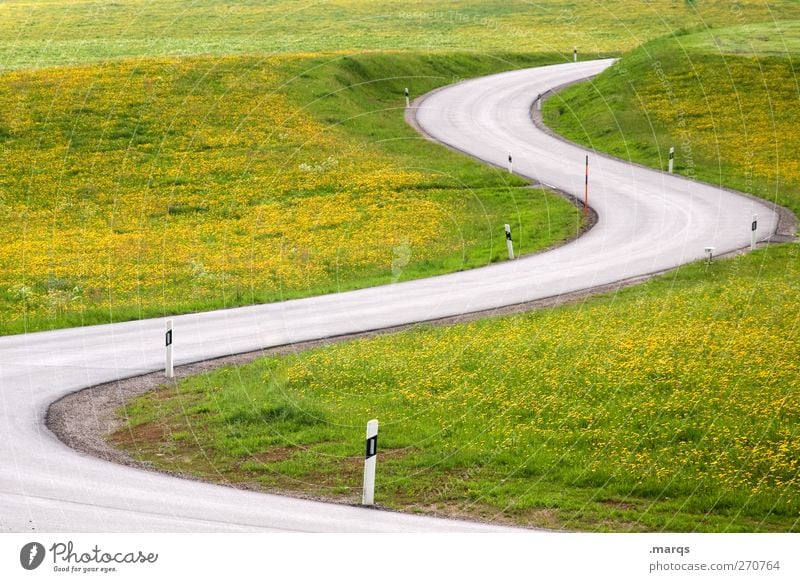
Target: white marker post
{"type": "Point", "coordinates": [370, 460]}
{"type": "Point", "coordinates": [509, 242]}
{"type": "Point", "coordinates": [168, 368]}
{"type": "Point", "coordinates": [671, 158]}
{"type": "Point", "coordinates": [709, 254]}
{"type": "Point", "coordinates": [408, 103]}
{"type": "Point", "coordinates": [753, 228]}
{"type": "Point", "coordinates": [510, 165]}
{"type": "Point", "coordinates": [575, 55]}
{"type": "Point", "coordinates": [539, 102]}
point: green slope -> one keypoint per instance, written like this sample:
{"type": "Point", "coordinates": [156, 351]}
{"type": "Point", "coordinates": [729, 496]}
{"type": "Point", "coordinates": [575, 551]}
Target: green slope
{"type": "Point", "coordinates": [730, 117]}
{"type": "Point", "coordinates": [139, 188]}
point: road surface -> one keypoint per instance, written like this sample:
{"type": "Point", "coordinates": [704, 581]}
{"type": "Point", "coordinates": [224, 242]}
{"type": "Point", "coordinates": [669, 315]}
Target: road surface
{"type": "Point", "coordinates": [647, 222]}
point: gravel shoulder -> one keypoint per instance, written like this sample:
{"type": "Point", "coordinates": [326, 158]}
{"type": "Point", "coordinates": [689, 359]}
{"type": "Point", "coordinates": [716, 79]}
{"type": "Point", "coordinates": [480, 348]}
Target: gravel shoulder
{"type": "Point", "coordinates": [85, 419]}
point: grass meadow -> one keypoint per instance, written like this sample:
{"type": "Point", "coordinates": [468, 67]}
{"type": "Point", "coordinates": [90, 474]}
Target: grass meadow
{"type": "Point", "coordinates": [670, 406]}
{"type": "Point", "coordinates": [727, 107]}
{"type": "Point", "coordinates": [665, 407]}
{"type": "Point", "coordinates": [182, 156]}
{"type": "Point", "coordinates": [68, 32]}
{"type": "Point", "coordinates": [141, 188]}
{"type": "Point", "coordinates": [174, 157]}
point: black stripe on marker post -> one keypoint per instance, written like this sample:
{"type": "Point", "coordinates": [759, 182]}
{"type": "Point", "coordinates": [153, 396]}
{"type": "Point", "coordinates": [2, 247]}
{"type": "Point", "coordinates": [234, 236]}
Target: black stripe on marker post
{"type": "Point", "coordinates": [372, 447]}
{"type": "Point", "coordinates": [754, 225]}
{"type": "Point", "coordinates": [586, 173]}
{"type": "Point", "coordinates": [169, 337]}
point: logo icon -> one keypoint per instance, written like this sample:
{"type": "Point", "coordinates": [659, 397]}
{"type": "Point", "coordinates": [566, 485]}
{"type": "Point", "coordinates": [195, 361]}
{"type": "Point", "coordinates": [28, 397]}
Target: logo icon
{"type": "Point", "coordinates": [31, 555]}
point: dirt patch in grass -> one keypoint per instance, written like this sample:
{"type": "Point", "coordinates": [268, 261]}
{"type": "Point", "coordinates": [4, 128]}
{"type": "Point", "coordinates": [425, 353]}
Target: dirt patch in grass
{"type": "Point", "coordinates": [271, 456]}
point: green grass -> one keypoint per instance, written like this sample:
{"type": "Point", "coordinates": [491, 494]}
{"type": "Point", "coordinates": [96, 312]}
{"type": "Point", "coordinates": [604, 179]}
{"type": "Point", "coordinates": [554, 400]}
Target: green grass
{"type": "Point", "coordinates": [670, 406]}
{"type": "Point", "coordinates": [779, 38]}
{"type": "Point", "coordinates": [58, 32]}
{"type": "Point", "coordinates": [103, 165]}
{"type": "Point", "coordinates": [730, 117]}
{"type": "Point", "coordinates": [75, 159]}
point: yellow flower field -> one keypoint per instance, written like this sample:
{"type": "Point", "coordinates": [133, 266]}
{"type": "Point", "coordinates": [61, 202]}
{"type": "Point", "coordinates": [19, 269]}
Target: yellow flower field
{"type": "Point", "coordinates": [730, 117]}
{"type": "Point", "coordinates": [672, 406]}
{"type": "Point", "coordinates": [140, 188]}
{"type": "Point", "coordinates": [194, 190]}
{"type": "Point", "coordinates": [740, 107]}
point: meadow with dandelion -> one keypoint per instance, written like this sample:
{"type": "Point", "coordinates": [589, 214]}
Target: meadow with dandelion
{"type": "Point", "coordinates": [668, 406]}
{"type": "Point", "coordinates": [174, 157]}
{"type": "Point", "coordinates": [69, 32]}
{"type": "Point", "coordinates": [135, 189]}
{"type": "Point", "coordinates": [727, 109]}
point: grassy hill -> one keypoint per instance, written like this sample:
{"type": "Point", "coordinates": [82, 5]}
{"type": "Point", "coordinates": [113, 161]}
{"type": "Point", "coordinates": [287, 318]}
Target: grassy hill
{"type": "Point", "coordinates": [138, 188]}
{"type": "Point", "coordinates": [725, 99]}
{"type": "Point", "coordinates": [58, 32]}
{"type": "Point", "coordinates": [160, 174]}
{"type": "Point", "coordinates": [666, 407]}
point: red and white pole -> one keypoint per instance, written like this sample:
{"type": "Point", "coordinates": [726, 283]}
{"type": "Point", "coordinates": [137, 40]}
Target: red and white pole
{"type": "Point", "coordinates": [586, 190]}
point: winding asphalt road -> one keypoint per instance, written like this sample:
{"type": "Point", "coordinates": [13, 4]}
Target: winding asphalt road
{"type": "Point", "coordinates": [648, 222]}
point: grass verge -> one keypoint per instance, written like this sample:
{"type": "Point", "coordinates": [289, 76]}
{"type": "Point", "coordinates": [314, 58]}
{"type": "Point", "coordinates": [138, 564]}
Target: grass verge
{"type": "Point", "coordinates": [729, 116]}
{"type": "Point", "coordinates": [668, 406]}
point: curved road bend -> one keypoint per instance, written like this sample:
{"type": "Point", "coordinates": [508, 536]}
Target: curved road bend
{"type": "Point", "coordinates": [648, 222]}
